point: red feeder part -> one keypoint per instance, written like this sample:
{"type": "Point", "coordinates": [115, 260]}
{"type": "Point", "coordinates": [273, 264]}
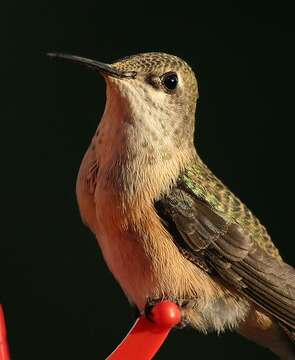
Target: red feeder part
{"type": "Point", "coordinates": [146, 337]}
{"type": "Point", "coordinates": [4, 352]}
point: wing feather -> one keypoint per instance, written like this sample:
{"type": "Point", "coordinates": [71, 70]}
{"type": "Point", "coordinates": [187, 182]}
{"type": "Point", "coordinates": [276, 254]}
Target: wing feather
{"type": "Point", "coordinates": [228, 249]}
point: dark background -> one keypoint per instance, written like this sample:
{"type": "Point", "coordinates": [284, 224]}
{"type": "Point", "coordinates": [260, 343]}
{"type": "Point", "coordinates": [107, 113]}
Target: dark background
{"type": "Point", "coordinates": [60, 300]}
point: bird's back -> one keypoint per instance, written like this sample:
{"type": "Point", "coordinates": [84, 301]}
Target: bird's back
{"type": "Point", "coordinates": [203, 183]}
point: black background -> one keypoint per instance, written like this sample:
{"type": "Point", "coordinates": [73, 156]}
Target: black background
{"type": "Point", "coordinates": [60, 300]}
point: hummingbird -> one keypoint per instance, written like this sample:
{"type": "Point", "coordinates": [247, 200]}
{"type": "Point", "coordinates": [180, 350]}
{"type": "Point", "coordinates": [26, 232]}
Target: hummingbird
{"type": "Point", "coordinates": [166, 226]}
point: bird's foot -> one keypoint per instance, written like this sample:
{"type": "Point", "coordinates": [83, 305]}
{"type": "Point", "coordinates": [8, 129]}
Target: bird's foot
{"type": "Point", "coordinates": [148, 310]}
{"type": "Point", "coordinates": [183, 305]}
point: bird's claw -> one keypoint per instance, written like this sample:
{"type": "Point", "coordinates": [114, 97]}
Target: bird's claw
{"type": "Point", "coordinates": [148, 310]}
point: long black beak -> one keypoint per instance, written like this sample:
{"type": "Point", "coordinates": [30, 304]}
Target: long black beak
{"type": "Point", "coordinates": [96, 65]}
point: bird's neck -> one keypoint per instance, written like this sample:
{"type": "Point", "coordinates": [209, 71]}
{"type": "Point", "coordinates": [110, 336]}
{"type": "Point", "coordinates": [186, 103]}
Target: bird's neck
{"type": "Point", "coordinates": [134, 161]}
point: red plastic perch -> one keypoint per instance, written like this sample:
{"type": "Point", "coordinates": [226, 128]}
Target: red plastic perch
{"type": "Point", "coordinates": [142, 342]}
{"type": "Point", "coordinates": [146, 337]}
{"type": "Point", "coordinates": [4, 352]}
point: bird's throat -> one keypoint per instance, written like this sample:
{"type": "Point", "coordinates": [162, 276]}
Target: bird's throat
{"type": "Point", "coordinates": [136, 157]}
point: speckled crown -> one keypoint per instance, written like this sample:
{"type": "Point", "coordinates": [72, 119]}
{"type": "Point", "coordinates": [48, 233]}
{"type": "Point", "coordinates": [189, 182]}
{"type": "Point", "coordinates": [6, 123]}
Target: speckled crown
{"type": "Point", "coordinates": [158, 64]}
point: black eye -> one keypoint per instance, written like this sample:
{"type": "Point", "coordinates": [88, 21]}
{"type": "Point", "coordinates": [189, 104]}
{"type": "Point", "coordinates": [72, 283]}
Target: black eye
{"type": "Point", "coordinates": [170, 80]}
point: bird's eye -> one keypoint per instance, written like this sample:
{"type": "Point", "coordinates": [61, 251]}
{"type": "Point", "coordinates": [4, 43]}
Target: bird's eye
{"type": "Point", "coordinates": [170, 80]}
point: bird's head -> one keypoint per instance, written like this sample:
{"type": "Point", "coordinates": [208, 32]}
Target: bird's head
{"type": "Point", "coordinates": [162, 93]}
{"type": "Point", "coordinates": [154, 91]}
